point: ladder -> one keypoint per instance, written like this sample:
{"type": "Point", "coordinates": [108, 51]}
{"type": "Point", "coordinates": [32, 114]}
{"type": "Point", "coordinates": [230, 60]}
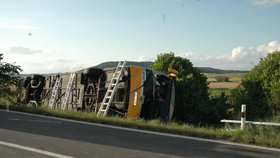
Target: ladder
{"type": "Point", "coordinates": [109, 96]}
{"type": "Point", "coordinates": [54, 92]}
{"type": "Point", "coordinates": [67, 92]}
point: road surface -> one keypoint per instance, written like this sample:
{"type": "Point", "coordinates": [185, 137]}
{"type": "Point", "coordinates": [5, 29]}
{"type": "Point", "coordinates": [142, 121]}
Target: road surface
{"type": "Point", "coordinates": [31, 136]}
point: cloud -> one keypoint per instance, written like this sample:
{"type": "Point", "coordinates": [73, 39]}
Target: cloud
{"type": "Point", "coordinates": [240, 58]}
{"type": "Point", "coordinates": [43, 65]}
{"type": "Point", "coordinates": [24, 27]}
{"type": "Point", "coordinates": [266, 2]}
{"type": "Point", "coordinates": [41, 60]}
{"type": "Point", "coordinates": [49, 60]}
{"type": "Point", "coordinates": [23, 50]}
{"type": "Point", "coordinates": [16, 25]}
{"type": "Point", "coordinates": [64, 65]}
{"type": "Point", "coordinates": [145, 58]}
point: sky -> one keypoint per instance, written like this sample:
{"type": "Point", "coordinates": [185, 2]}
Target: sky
{"type": "Point", "coordinates": [48, 36]}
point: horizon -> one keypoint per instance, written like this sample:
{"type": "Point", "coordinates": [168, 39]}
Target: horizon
{"type": "Point", "coordinates": [68, 35]}
{"type": "Point", "coordinates": [215, 69]}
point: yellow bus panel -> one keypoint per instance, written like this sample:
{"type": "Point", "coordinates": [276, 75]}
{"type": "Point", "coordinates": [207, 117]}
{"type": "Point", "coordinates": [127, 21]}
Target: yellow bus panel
{"type": "Point", "coordinates": [134, 106]}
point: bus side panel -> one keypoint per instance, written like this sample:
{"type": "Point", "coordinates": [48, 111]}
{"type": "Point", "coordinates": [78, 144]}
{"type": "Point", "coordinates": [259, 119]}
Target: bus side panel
{"type": "Point", "coordinates": [134, 106]}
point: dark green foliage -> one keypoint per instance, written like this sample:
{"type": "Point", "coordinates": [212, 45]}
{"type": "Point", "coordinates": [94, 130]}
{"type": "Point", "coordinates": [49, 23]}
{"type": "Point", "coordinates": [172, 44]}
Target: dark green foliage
{"type": "Point", "coordinates": [261, 89]}
{"type": "Point", "coordinates": [191, 88]}
{"type": "Point", "coordinates": [222, 78]}
{"type": "Point", "coordinates": [8, 76]}
{"type": "Point", "coordinates": [237, 98]}
{"type": "Point", "coordinates": [219, 109]}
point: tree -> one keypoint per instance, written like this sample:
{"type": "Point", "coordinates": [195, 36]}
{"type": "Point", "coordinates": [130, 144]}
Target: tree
{"type": "Point", "coordinates": [191, 88]}
{"type": "Point", "coordinates": [261, 89]}
{"type": "Point", "coordinates": [8, 77]}
{"type": "Point", "coordinates": [222, 78]}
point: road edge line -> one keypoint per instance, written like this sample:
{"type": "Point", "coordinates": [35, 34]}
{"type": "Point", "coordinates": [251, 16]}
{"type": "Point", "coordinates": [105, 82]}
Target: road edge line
{"type": "Point", "coordinates": [147, 131]}
{"type": "Point", "coordinates": [40, 151]}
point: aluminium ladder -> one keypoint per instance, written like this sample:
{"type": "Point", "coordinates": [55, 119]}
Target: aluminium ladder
{"type": "Point", "coordinates": [54, 93]}
{"type": "Point", "coordinates": [67, 92]}
{"type": "Point", "coordinates": [109, 96]}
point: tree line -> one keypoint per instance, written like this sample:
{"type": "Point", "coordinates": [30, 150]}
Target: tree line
{"type": "Point", "coordinates": [260, 91]}
{"type": "Point", "coordinates": [9, 75]}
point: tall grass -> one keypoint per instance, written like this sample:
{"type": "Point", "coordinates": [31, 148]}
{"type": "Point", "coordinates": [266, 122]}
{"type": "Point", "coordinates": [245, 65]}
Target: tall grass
{"type": "Point", "coordinates": [258, 135]}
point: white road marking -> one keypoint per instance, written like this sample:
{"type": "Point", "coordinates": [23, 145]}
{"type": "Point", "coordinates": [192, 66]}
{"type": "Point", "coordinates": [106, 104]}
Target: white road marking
{"type": "Point", "coordinates": [150, 132]}
{"type": "Point", "coordinates": [30, 120]}
{"type": "Point", "coordinates": [34, 150]}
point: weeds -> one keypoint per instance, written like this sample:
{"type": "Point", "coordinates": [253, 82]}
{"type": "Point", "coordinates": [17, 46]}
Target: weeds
{"type": "Point", "coordinates": [260, 135]}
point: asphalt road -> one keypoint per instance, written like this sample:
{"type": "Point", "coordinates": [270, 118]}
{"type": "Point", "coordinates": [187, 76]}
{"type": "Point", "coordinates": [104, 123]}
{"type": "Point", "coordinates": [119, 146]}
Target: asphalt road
{"type": "Point", "coordinates": [30, 136]}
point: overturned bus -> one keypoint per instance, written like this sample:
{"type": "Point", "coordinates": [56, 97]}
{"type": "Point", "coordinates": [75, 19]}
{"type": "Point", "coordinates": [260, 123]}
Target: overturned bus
{"type": "Point", "coordinates": [140, 92]}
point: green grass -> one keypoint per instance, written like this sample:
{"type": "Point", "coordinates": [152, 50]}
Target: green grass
{"type": "Point", "coordinates": [258, 135]}
{"type": "Point", "coordinates": [217, 92]}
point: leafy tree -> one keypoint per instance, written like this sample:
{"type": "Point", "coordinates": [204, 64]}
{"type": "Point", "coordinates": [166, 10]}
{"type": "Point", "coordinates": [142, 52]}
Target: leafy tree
{"type": "Point", "coordinates": [8, 77]}
{"type": "Point", "coordinates": [261, 89]}
{"type": "Point", "coordinates": [191, 88]}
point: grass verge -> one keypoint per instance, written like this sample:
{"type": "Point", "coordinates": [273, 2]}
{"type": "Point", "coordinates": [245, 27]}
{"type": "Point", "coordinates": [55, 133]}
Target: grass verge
{"type": "Point", "coordinates": [257, 135]}
{"type": "Point", "coordinates": [217, 92]}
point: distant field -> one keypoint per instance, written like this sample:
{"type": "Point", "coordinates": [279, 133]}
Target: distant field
{"type": "Point", "coordinates": [216, 88]}
{"type": "Point", "coordinates": [233, 77]}
{"type": "Point", "coordinates": [223, 85]}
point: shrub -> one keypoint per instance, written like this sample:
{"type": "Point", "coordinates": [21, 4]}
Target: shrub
{"type": "Point", "coordinates": [191, 88]}
{"type": "Point", "coordinates": [222, 78]}
{"type": "Point", "coordinates": [260, 91]}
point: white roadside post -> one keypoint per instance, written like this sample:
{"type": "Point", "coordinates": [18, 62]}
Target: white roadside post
{"type": "Point", "coordinates": [7, 105]}
{"type": "Point", "coordinates": [243, 116]}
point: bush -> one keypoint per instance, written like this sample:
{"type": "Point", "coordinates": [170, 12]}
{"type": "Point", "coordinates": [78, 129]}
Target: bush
{"type": "Point", "coordinates": [191, 88]}
{"type": "Point", "coordinates": [222, 78]}
{"type": "Point", "coordinates": [219, 109]}
{"type": "Point", "coordinates": [260, 91]}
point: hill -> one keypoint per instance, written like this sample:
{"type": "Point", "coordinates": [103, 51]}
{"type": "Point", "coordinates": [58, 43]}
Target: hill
{"type": "Point", "coordinates": [218, 71]}
{"type": "Point", "coordinates": [128, 63]}
{"type": "Point", "coordinates": [149, 63]}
